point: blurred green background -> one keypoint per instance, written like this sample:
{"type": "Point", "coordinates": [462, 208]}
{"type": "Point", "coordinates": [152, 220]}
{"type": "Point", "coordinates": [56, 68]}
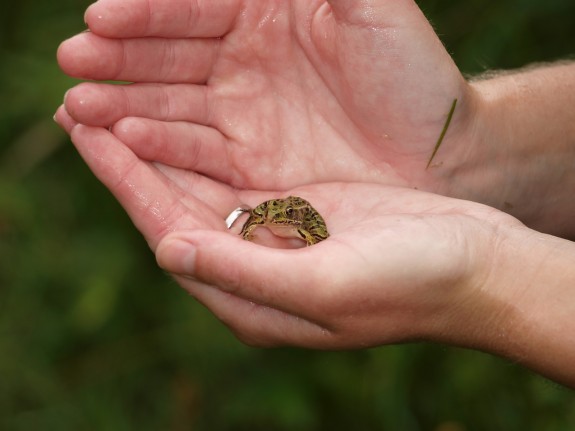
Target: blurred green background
{"type": "Point", "coordinates": [93, 336]}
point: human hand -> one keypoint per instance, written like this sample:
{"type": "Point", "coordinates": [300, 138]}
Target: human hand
{"type": "Point", "coordinates": [270, 95]}
{"type": "Point", "coordinates": [400, 265]}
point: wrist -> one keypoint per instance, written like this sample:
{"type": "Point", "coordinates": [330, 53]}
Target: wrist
{"type": "Point", "coordinates": [483, 152]}
{"type": "Point", "coordinates": [520, 303]}
{"type": "Point", "coordinates": [515, 151]}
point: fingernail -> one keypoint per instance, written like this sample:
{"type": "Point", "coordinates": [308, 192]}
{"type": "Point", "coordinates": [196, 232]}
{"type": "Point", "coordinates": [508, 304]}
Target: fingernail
{"type": "Point", "coordinates": [178, 256]}
{"type": "Point", "coordinates": [56, 120]}
{"type": "Point", "coordinates": [188, 258]}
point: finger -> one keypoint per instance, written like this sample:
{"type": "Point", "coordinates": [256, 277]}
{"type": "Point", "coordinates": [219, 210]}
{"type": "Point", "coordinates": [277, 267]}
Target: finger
{"type": "Point", "coordinates": [179, 144]}
{"type": "Point", "coordinates": [258, 325]}
{"type": "Point", "coordinates": [287, 280]}
{"type": "Point", "coordinates": [152, 203]}
{"type": "Point", "coordinates": [89, 56]}
{"type": "Point", "coordinates": [175, 18]}
{"type": "Point", "coordinates": [102, 105]}
{"type": "Point", "coordinates": [64, 120]}
{"type": "Point", "coordinates": [219, 197]}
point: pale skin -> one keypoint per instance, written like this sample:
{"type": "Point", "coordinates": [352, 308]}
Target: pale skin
{"type": "Point", "coordinates": [243, 101]}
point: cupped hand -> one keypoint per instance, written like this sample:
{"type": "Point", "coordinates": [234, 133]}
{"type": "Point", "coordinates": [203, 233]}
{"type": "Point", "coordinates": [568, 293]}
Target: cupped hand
{"type": "Point", "coordinates": [271, 94]}
{"type": "Point", "coordinates": [400, 265]}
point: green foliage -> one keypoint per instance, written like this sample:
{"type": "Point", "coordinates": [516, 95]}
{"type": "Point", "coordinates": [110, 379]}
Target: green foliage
{"type": "Point", "coordinates": [93, 336]}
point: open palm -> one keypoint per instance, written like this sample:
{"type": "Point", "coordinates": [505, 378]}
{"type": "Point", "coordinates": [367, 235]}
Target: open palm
{"type": "Point", "coordinates": [268, 94]}
{"type": "Point", "coordinates": [396, 267]}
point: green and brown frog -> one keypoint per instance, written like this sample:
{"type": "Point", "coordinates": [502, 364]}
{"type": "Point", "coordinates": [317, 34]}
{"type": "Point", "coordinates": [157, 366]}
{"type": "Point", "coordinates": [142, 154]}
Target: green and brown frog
{"type": "Point", "coordinates": [292, 217]}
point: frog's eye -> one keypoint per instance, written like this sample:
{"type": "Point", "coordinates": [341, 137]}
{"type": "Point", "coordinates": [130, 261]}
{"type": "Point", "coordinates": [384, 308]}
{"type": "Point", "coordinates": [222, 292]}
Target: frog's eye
{"type": "Point", "coordinates": [289, 211]}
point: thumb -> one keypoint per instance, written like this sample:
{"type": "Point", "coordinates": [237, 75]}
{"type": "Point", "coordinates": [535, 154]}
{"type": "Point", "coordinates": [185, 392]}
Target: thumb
{"type": "Point", "coordinates": [278, 278]}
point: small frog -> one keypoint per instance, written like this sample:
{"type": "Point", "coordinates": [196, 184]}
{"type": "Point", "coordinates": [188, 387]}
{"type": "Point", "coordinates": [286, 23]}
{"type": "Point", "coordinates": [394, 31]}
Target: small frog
{"type": "Point", "coordinates": [292, 217]}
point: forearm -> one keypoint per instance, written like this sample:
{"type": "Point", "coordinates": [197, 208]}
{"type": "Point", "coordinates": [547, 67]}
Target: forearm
{"type": "Point", "coordinates": [524, 309]}
{"type": "Point", "coordinates": [520, 151]}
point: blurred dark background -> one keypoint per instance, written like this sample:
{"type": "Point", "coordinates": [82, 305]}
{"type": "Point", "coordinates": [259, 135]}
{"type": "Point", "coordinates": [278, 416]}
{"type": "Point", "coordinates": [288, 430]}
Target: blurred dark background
{"type": "Point", "coordinates": [93, 336]}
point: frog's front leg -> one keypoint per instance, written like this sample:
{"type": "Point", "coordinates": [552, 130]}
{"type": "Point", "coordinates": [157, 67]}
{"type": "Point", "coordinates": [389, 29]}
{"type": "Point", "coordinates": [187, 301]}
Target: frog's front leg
{"type": "Point", "coordinates": [307, 237]}
{"type": "Point", "coordinates": [251, 224]}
